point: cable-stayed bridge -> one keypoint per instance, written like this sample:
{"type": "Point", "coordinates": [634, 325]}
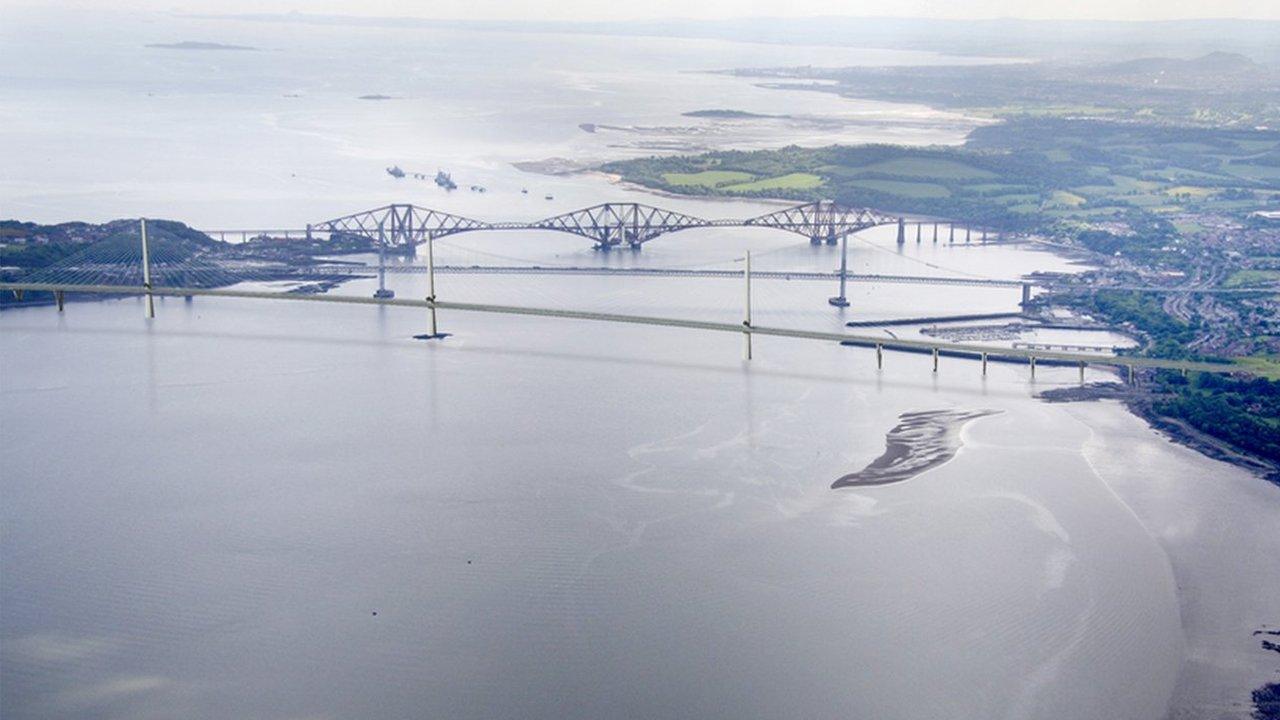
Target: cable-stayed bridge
{"type": "Point", "coordinates": [119, 266]}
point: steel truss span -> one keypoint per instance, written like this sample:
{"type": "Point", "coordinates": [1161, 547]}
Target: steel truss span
{"type": "Point", "coordinates": [607, 225]}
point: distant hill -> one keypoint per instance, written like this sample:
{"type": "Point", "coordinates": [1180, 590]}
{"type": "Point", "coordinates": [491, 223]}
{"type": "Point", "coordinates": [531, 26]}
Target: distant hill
{"type": "Point", "coordinates": [1205, 72]}
{"type": "Point", "coordinates": [31, 245]}
{"type": "Point", "coordinates": [1095, 40]}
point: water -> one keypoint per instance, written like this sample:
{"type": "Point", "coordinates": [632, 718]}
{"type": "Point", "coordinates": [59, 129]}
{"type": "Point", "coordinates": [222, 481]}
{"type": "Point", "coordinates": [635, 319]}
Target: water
{"type": "Point", "coordinates": [105, 126]}
{"type": "Point", "coordinates": [203, 513]}
{"type": "Point", "coordinates": [239, 500]}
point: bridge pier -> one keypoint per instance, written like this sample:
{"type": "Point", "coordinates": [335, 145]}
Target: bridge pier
{"type": "Point", "coordinates": [1026, 294]}
{"type": "Point", "coordinates": [902, 231]}
{"type": "Point", "coordinates": [57, 296]}
{"type": "Point", "coordinates": [935, 233]}
{"type": "Point", "coordinates": [951, 236]}
{"type": "Point", "coordinates": [918, 231]}
{"type": "Point", "coordinates": [879, 356]}
{"type": "Point", "coordinates": [1033, 367]}
{"type": "Point", "coordinates": [935, 360]}
{"type": "Point", "coordinates": [984, 364]}
{"type": "Point", "coordinates": [967, 230]}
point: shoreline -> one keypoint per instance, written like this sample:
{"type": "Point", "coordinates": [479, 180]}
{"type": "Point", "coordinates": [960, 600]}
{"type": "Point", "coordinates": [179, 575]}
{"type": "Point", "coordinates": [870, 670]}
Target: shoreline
{"type": "Point", "coordinates": [1176, 431]}
{"type": "Point", "coordinates": [1212, 524]}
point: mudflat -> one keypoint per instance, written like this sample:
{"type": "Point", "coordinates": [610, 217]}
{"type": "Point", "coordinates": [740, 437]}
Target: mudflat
{"type": "Point", "coordinates": [921, 441]}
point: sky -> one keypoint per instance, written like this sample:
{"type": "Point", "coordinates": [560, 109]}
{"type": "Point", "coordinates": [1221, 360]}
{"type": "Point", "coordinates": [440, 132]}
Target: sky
{"type": "Point", "coordinates": [709, 9]}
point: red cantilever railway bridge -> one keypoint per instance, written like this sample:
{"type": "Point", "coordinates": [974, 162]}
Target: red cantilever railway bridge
{"type": "Point", "coordinates": [607, 225]}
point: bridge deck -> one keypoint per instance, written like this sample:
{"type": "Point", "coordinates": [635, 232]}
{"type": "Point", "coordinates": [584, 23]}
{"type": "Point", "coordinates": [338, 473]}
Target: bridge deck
{"type": "Point", "coordinates": [667, 272]}
{"type": "Point", "coordinates": [909, 345]}
{"type": "Point", "coordinates": [789, 275]}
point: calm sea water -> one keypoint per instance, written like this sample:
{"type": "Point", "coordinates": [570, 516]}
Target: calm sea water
{"type": "Point", "coordinates": [272, 510]}
{"type": "Point", "coordinates": [99, 126]}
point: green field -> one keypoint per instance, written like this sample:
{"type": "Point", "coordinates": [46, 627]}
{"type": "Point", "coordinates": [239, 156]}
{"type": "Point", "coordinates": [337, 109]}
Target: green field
{"type": "Point", "coordinates": [1194, 191]}
{"type": "Point", "coordinates": [994, 189]}
{"type": "Point", "coordinates": [790, 181]}
{"type": "Point", "coordinates": [1262, 173]}
{"type": "Point", "coordinates": [927, 168]}
{"type": "Point", "coordinates": [1267, 366]}
{"type": "Point", "coordinates": [1020, 174]}
{"type": "Point", "coordinates": [708, 178]}
{"type": "Point", "coordinates": [902, 188]}
{"type": "Point", "coordinates": [1248, 278]}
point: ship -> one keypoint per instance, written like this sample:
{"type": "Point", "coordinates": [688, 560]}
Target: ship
{"type": "Point", "coordinates": [444, 181]}
{"type": "Point", "coordinates": [395, 171]}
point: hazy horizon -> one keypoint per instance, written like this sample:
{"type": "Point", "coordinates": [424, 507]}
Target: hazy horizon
{"type": "Point", "coordinates": [675, 10]}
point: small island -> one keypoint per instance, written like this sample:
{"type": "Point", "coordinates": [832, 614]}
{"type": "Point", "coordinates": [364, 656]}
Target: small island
{"type": "Point", "coordinates": [728, 115]}
{"type": "Point", "coordinates": [197, 45]}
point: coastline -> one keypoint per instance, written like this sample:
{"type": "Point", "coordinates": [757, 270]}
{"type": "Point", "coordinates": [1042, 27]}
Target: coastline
{"type": "Point", "coordinates": [1178, 432]}
{"type": "Point", "coordinates": [1213, 523]}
